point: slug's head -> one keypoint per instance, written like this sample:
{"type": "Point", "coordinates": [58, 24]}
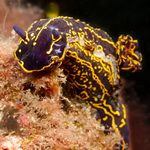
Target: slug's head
{"type": "Point", "coordinates": [128, 56]}
{"type": "Point", "coordinates": [40, 49]}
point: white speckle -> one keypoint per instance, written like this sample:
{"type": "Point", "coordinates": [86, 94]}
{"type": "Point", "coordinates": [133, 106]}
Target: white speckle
{"type": "Point", "coordinates": [99, 53]}
{"type": "Point", "coordinates": [99, 96]}
{"type": "Point", "coordinates": [32, 34]}
{"type": "Point", "coordinates": [58, 51]}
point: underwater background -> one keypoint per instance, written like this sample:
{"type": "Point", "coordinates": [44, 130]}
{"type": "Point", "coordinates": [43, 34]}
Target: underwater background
{"type": "Point", "coordinates": [115, 17]}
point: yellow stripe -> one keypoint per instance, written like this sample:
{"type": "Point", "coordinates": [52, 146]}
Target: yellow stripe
{"type": "Point", "coordinates": [110, 108]}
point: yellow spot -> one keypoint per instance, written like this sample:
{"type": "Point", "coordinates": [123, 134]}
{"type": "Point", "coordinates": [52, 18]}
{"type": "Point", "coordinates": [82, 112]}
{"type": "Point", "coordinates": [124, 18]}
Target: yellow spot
{"type": "Point", "coordinates": [34, 43]}
{"type": "Point", "coordinates": [38, 28]}
{"type": "Point", "coordinates": [80, 29]}
{"type": "Point", "coordinates": [78, 73]}
{"type": "Point", "coordinates": [105, 118]}
{"type": "Point", "coordinates": [94, 88]}
{"type": "Point", "coordinates": [95, 99]}
{"type": "Point", "coordinates": [73, 33]}
{"type": "Point", "coordinates": [70, 24]}
{"type": "Point", "coordinates": [19, 50]}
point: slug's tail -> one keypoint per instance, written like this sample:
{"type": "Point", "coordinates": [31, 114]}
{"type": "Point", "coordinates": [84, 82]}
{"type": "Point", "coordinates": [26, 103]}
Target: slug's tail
{"type": "Point", "coordinates": [112, 115]}
{"type": "Point", "coordinates": [128, 56]}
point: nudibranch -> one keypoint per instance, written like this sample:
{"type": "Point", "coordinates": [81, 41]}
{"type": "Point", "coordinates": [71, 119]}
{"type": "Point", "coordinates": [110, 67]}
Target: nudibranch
{"type": "Point", "coordinates": [90, 59]}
